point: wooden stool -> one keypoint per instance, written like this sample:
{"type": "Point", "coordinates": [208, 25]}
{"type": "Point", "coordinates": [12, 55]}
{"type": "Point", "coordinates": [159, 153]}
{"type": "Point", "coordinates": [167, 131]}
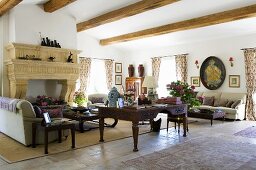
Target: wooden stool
{"type": "Point", "coordinates": [178, 118]}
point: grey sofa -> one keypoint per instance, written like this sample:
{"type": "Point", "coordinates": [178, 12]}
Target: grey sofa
{"type": "Point", "coordinates": [97, 100]}
{"type": "Point", "coordinates": [233, 111]}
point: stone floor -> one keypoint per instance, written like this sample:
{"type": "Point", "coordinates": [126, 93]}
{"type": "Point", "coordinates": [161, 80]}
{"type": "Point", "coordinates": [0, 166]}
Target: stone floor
{"type": "Point", "coordinates": [109, 155]}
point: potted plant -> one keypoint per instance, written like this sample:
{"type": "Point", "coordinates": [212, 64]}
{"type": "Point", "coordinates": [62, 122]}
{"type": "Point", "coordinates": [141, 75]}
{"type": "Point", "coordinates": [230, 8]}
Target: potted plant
{"type": "Point", "coordinates": [185, 92]}
{"type": "Point", "coordinates": [79, 98]}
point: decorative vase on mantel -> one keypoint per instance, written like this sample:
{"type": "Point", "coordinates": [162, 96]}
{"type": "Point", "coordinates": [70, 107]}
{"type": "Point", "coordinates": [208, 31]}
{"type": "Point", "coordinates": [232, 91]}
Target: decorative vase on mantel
{"type": "Point", "coordinates": [131, 70]}
{"type": "Point", "coordinates": [141, 70]}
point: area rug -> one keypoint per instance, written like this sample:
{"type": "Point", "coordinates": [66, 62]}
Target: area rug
{"type": "Point", "coordinates": [249, 132]}
{"type": "Point", "coordinates": [199, 153]}
{"type": "Point", "coordinates": [12, 151]}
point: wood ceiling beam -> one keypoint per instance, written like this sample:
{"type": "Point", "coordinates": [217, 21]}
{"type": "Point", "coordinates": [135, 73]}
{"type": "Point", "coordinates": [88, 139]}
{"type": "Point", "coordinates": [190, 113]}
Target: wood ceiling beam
{"type": "Point", "coordinates": [212, 19]}
{"type": "Point", "coordinates": [54, 5]}
{"type": "Point", "coordinates": [124, 12]}
{"type": "Point", "coordinates": [6, 5]}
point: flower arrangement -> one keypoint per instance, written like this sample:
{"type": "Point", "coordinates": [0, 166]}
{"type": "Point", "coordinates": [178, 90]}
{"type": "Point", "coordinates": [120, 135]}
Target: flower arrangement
{"type": "Point", "coordinates": [46, 101]}
{"type": "Point", "coordinates": [79, 98]}
{"type": "Point", "coordinates": [185, 91]}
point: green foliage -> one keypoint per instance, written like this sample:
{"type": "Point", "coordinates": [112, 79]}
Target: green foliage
{"type": "Point", "coordinates": [79, 98]}
{"type": "Point", "coordinates": [185, 91]}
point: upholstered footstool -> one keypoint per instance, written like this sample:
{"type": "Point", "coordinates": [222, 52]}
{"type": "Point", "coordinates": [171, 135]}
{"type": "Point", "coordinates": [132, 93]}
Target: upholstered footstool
{"type": "Point", "coordinates": [207, 114]}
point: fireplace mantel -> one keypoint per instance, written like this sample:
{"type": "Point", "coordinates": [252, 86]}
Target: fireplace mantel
{"type": "Point", "coordinates": [21, 70]}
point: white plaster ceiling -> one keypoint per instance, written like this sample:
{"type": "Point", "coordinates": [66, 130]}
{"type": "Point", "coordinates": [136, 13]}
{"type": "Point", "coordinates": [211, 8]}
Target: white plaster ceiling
{"type": "Point", "coordinates": [182, 10]}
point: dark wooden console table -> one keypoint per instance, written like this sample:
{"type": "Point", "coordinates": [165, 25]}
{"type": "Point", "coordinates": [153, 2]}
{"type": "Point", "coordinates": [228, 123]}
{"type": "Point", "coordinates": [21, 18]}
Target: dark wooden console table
{"type": "Point", "coordinates": [136, 114]}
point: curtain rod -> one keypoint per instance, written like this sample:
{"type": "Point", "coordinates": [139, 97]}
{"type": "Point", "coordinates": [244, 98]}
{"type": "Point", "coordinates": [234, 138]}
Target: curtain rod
{"type": "Point", "coordinates": [170, 56]}
{"type": "Point", "coordinates": [98, 58]}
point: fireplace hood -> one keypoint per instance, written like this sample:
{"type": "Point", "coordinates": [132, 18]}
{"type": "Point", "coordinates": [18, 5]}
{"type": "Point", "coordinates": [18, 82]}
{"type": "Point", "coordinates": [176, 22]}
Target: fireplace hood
{"type": "Point", "coordinates": [31, 62]}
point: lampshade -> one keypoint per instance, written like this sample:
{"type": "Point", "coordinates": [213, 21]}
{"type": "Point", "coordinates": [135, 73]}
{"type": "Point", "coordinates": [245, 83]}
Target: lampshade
{"type": "Point", "coordinates": [149, 82]}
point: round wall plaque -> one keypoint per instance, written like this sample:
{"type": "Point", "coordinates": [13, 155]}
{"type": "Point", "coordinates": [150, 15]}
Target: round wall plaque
{"type": "Point", "coordinates": [212, 73]}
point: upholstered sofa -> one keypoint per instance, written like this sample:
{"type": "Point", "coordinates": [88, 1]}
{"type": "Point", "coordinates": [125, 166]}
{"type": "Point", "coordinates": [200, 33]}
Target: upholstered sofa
{"type": "Point", "coordinates": [233, 104]}
{"type": "Point", "coordinates": [97, 99]}
{"type": "Point", "coordinates": [16, 121]}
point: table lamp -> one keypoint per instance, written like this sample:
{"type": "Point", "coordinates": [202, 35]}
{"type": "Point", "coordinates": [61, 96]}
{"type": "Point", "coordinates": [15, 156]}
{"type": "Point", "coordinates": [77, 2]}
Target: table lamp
{"type": "Point", "coordinates": [150, 83]}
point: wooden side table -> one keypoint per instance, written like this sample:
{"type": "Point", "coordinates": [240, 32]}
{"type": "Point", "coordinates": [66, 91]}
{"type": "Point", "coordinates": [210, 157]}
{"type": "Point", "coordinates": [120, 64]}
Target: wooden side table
{"type": "Point", "coordinates": [51, 127]}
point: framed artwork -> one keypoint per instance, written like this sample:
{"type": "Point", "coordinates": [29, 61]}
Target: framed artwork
{"type": "Point", "coordinates": [234, 81]}
{"type": "Point", "coordinates": [212, 73]}
{"type": "Point", "coordinates": [118, 67]}
{"type": "Point", "coordinates": [118, 80]}
{"type": "Point", "coordinates": [195, 81]}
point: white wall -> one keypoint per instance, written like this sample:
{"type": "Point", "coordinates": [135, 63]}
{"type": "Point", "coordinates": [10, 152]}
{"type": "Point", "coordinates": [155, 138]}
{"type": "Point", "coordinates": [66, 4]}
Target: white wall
{"type": "Point", "coordinates": [91, 48]}
{"type": "Point", "coordinates": [29, 20]}
{"type": "Point", "coordinates": [222, 48]}
{"type": "Point", "coordinates": [25, 23]}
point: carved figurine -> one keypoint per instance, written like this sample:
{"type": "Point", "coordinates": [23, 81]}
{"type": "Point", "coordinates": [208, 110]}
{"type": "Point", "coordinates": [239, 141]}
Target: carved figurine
{"type": "Point", "coordinates": [70, 59]}
{"type": "Point", "coordinates": [51, 58]}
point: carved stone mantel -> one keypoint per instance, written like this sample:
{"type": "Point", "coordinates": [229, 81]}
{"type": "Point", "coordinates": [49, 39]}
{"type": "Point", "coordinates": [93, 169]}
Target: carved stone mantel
{"type": "Point", "coordinates": [20, 71]}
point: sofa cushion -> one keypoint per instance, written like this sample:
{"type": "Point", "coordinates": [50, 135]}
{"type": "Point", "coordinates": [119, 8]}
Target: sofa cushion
{"type": "Point", "coordinates": [202, 107]}
{"type": "Point", "coordinates": [227, 110]}
{"type": "Point", "coordinates": [97, 100]}
{"type": "Point", "coordinates": [208, 101]}
{"type": "Point", "coordinates": [236, 103]}
{"type": "Point", "coordinates": [229, 103]}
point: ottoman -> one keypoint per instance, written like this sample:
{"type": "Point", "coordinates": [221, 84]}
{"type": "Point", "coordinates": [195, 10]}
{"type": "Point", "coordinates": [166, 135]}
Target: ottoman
{"type": "Point", "coordinates": [207, 114]}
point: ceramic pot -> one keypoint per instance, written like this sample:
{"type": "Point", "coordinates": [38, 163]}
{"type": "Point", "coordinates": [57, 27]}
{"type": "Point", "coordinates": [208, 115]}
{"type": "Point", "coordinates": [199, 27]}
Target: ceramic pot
{"type": "Point", "coordinates": [141, 70]}
{"type": "Point", "coordinates": [131, 70]}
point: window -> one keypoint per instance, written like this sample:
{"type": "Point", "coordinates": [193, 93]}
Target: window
{"type": "Point", "coordinates": [167, 74]}
{"type": "Point", "coordinates": [97, 78]}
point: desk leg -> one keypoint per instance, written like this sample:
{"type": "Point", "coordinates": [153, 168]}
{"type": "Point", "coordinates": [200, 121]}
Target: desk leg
{"type": "Point", "coordinates": [33, 135]}
{"type": "Point", "coordinates": [185, 126]}
{"type": "Point", "coordinates": [46, 140]}
{"type": "Point", "coordinates": [73, 136]}
{"type": "Point", "coordinates": [101, 124]}
{"type": "Point", "coordinates": [81, 126]}
{"type": "Point", "coordinates": [135, 133]}
{"type": "Point", "coordinates": [59, 135]}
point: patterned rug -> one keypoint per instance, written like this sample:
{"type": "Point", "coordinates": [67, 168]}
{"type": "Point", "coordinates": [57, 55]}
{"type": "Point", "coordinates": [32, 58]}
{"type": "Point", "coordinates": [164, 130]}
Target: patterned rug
{"type": "Point", "coordinates": [249, 132]}
{"type": "Point", "coordinates": [200, 153]}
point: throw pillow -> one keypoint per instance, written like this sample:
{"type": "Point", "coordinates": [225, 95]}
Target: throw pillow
{"type": "Point", "coordinates": [37, 110]}
{"type": "Point", "coordinates": [54, 111]}
{"type": "Point", "coordinates": [223, 102]}
{"type": "Point", "coordinates": [208, 101]}
{"type": "Point", "coordinates": [216, 102]}
{"type": "Point", "coordinates": [229, 103]}
{"type": "Point", "coordinates": [236, 103]}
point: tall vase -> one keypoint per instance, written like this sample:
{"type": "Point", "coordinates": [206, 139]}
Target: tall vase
{"type": "Point", "coordinates": [141, 70]}
{"type": "Point", "coordinates": [131, 70]}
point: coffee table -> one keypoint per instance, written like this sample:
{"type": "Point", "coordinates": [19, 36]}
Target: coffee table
{"type": "Point", "coordinates": [86, 116]}
{"type": "Point", "coordinates": [207, 114]}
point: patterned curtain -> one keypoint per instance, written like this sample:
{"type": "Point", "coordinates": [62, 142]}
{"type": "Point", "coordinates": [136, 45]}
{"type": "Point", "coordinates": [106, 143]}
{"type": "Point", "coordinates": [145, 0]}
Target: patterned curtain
{"type": "Point", "coordinates": [181, 67]}
{"type": "Point", "coordinates": [109, 73]}
{"type": "Point", "coordinates": [250, 70]}
{"type": "Point", "coordinates": [156, 62]}
{"type": "Point", "coordinates": [84, 72]}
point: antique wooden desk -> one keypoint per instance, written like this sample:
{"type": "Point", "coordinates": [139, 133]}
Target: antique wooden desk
{"type": "Point", "coordinates": [136, 114]}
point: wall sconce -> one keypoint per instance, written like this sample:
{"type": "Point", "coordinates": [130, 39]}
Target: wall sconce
{"type": "Point", "coordinates": [231, 61]}
{"type": "Point", "coordinates": [197, 64]}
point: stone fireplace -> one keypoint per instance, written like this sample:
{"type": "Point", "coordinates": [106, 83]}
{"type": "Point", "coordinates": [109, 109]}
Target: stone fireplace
{"type": "Point", "coordinates": [30, 62]}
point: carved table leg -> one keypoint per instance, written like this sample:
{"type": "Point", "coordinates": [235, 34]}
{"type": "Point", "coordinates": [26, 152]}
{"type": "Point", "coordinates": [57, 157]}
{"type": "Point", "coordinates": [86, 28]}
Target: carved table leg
{"type": "Point", "coordinates": [185, 126]}
{"type": "Point", "coordinates": [135, 133]}
{"type": "Point", "coordinates": [101, 124]}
